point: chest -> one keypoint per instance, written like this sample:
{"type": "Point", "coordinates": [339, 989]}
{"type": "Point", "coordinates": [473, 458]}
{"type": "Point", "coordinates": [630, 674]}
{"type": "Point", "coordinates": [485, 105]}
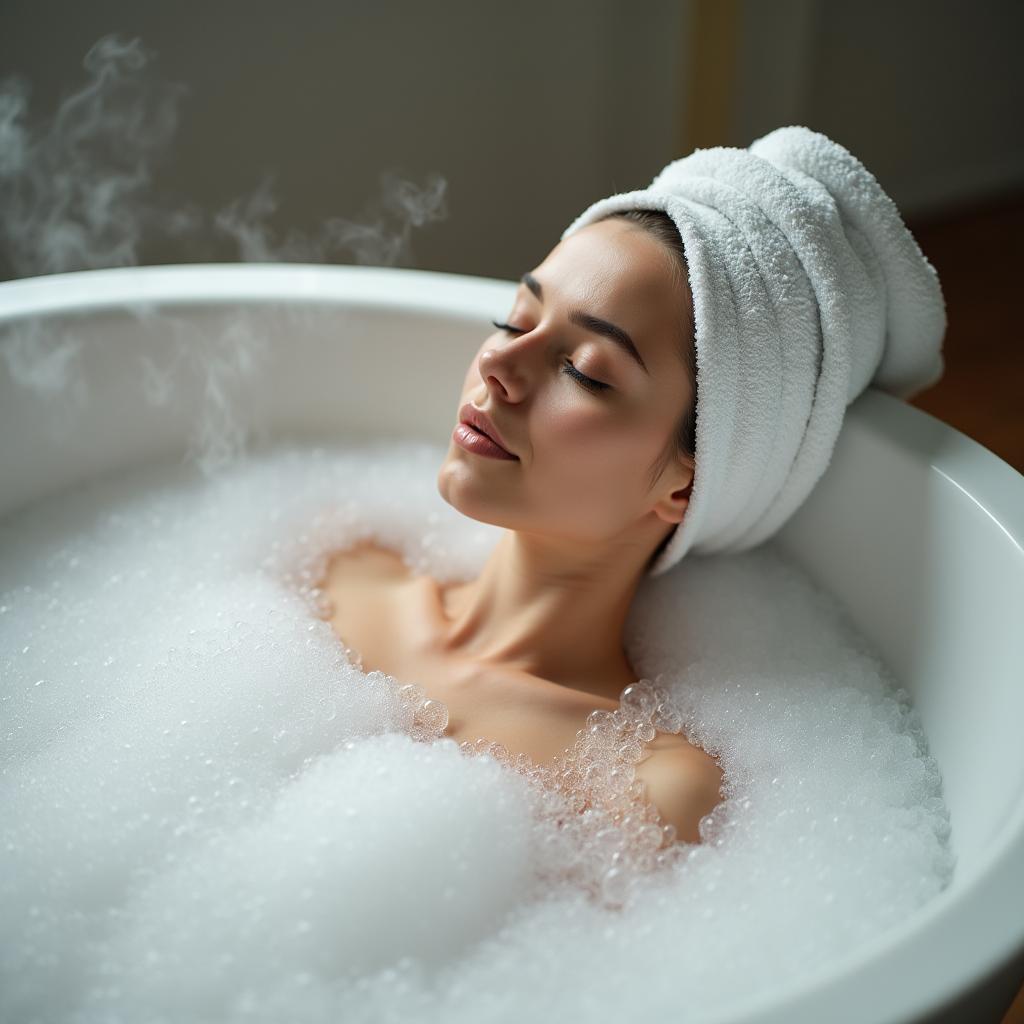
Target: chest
{"type": "Point", "coordinates": [391, 633]}
{"type": "Point", "coordinates": [388, 625]}
{"type": "Point", "coordinates": [391, 622]}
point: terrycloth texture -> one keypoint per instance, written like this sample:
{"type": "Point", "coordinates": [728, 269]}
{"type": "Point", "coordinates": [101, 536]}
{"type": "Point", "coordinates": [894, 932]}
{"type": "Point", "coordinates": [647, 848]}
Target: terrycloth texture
{"type": "Point", "coordinates": [807, 287]}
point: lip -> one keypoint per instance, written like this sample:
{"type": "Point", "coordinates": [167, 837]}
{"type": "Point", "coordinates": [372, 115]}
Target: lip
{"type": "Point", "coordinates": [479, 421]}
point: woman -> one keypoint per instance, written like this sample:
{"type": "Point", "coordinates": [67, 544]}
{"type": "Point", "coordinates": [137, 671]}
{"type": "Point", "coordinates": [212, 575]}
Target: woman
{"type": "Point", "coordinates": [773, 284]}
{"type": "Point", "coordinates": [595, 475]}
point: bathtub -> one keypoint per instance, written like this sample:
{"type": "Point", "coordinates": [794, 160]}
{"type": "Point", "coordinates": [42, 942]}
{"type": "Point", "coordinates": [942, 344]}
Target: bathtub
{"type": "Point", "coordinates": [916, 528]}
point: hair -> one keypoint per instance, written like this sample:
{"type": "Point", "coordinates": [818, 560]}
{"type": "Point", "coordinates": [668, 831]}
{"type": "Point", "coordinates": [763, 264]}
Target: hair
{"type": "Point", "coordinates": [682, 444]}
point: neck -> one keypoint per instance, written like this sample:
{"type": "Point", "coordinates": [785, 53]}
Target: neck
{"type": "Point", "coordinates": [552, 611]}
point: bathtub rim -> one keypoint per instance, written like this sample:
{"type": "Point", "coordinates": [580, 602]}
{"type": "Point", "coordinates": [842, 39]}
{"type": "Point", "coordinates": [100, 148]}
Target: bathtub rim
{"type": "Point", "coordinates": [978, 916]}
{"type": "Point", "coordinates": [192, 284]}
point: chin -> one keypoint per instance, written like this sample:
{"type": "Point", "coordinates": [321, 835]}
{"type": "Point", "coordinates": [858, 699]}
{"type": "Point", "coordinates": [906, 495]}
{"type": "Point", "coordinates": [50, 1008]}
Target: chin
{"type": "Point", "coordinates": [465, 498]}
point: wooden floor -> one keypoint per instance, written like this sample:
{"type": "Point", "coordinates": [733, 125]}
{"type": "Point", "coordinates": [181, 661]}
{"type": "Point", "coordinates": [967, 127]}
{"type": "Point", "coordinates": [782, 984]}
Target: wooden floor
{"type": "Point", "coordinates": [979, 256]}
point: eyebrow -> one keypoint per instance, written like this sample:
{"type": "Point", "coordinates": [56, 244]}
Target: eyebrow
{"type": "Point", "coordinates": [591, 323]}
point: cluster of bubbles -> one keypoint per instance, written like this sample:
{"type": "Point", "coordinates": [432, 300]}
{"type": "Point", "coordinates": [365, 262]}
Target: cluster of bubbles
{"type": "Point", "coordinates": [606, 833]}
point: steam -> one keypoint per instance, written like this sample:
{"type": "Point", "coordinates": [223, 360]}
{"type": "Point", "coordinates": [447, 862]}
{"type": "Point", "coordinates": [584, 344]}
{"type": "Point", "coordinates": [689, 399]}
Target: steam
{"type": "Point", "coordinates": [76, 194]}
{"type": "Point", "coordinates": [374, 243]}
{"type": "Point", "coordinates": [73, 190]}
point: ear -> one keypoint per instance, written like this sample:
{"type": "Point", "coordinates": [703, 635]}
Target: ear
{"type": "Point", "coordinates": [672, 507]}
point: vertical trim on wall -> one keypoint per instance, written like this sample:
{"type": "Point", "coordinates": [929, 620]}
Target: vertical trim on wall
{"type": "Point", "coordinates": [714, 35]}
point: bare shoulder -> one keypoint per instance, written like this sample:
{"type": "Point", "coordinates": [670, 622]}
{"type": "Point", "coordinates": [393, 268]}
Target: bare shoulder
{"type": "Point", "coordinates": [684, 783]}
{"type": "Point", "coordinates": [365, 561]}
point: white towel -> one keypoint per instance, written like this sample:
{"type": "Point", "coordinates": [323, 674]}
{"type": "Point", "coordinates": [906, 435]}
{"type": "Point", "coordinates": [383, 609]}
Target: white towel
{"type": "Point", "coordinates": [807, 287]}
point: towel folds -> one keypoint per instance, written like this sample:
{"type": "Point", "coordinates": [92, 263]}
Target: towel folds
{"type": "Point", "coordinates": [807, 287]}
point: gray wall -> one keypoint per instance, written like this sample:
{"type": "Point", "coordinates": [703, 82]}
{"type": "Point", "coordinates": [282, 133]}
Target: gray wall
{"type": "Point", "coordinates": [462, 135]}
{"type": "Point", "coordinates": [928, 93]}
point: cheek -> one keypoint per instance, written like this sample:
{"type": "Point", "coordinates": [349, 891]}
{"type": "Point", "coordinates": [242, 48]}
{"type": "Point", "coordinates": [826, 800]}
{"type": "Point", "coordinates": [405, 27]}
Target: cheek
{"type": "Point", "coordinates": [595, 456]}
{"type": "Point", "coordinates": [587, 434]}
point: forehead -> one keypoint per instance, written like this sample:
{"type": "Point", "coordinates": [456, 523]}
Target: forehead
{"type": "Point", "coordinates": [620, 272]}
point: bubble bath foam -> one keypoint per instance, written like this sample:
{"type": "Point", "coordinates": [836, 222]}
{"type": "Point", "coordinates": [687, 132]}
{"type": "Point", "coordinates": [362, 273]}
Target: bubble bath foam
{"type": "Point", "coordinates": [209, 813]}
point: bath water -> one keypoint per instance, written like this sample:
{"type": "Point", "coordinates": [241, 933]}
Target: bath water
{"type": "Point", "coordinates": [209, 813]}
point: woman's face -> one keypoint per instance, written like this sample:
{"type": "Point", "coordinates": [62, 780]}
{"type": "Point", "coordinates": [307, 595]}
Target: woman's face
{"type": "Point", "coordinates": [584, 451]}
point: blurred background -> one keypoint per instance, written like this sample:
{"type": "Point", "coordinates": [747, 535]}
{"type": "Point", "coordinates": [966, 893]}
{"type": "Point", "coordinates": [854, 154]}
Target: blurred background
{"type": "Point", "coordinates": [465, 135]}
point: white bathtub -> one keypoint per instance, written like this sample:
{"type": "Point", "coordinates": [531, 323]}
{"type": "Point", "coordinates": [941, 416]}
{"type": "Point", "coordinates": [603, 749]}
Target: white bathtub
{"type": "Point", "coordinates": [916, 528]}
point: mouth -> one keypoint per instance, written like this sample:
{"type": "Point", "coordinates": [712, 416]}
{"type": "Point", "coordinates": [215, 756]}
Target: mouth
{"type": "Point", "coordinates": [476, 433]}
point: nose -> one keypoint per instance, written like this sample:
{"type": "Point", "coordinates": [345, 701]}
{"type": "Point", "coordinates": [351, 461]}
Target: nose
{"type": "Point", "coordinates": [504, 367]}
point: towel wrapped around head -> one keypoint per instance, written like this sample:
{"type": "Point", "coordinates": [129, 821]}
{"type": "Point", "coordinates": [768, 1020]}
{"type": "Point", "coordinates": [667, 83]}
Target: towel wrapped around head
{"type": "Point", "coordinates": [807, 287]}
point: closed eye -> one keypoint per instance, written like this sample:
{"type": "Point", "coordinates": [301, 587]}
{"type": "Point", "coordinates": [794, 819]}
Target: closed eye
{"type": "Point", "coordinates": [582, 379]}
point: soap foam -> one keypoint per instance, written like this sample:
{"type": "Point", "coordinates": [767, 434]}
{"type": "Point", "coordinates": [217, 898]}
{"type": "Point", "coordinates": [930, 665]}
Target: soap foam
{"type": "Point", "coordinates": [210, 813]}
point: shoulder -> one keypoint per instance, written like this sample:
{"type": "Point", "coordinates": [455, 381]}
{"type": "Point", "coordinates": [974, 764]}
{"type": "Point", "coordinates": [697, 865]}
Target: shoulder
{"type": "Point", "coordinates": [359, 584]}
{"type": "Point", "coordinates": [684, 783]}
{"type": "Point", "coordinates": [365, 561]}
